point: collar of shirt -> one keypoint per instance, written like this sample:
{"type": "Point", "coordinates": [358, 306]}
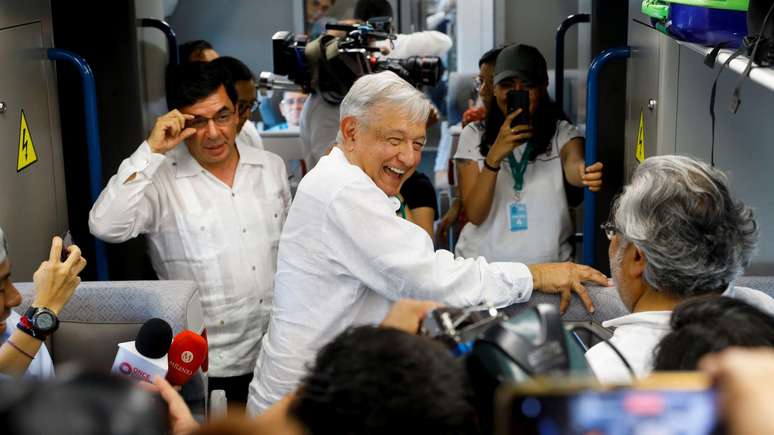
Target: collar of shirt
{"type": "Point", "coordinates": [652, 319]}
{"type": "Point", "coordinates": [187, 166]}
{"type": "Point", "coordinates": [338, 155]}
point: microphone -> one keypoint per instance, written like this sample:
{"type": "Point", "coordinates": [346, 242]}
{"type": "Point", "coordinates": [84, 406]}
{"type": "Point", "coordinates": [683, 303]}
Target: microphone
{"type": "Point", "coordinates": [147, 355]}
{"type": "Point", "coordinates": [186, 354]}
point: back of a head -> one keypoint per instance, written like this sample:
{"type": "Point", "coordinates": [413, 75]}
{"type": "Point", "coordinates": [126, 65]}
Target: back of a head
{"type": "Point", "coordinates": [367, 9]}
{"type": "Point", "coordinates": [238, 70]}
{"type": "Point", "coordinates": [190, 82]}
{"type": "Point", "coordinates": [708, 324]}
{"type": "Point", "coordinates": [192, 49]}
{"type": "Point", "coordinates": [87, 404]}
{"type": "Point", "coordinates": [490, 57]}
{"type": "Point", "coordinates": [695, 237]}
{"type": "Point", "coordinates": [372, 380]}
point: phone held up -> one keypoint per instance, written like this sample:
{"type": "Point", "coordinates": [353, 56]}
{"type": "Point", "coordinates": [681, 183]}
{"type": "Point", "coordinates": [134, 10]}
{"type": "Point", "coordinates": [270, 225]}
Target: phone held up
{"type": "Point", "coordinates": [67, 240]}
{"type": "Point", "coordinates": [518, 100]}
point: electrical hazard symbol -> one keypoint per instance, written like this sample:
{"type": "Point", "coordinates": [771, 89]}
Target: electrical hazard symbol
{"type": "Point", "coordinates": [639, 152]}
{"type": "Point", "coordinates": [27, 154]}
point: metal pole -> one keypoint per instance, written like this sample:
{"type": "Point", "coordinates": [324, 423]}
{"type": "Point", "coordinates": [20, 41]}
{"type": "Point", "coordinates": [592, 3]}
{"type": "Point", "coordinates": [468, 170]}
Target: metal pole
{"type": "Point", "coordinates": [92, 141]}
{"type": "Point", "coordinates": [559, 72]}
{"type": "Point", "coordinates": [169, 33]}
{"type": "Point", "coordinates": [592, 113]}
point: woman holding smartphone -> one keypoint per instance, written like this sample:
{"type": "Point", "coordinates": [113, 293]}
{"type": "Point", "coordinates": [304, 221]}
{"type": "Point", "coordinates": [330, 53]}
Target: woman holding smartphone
{"type": "Point", "coordinates": [513, 165]}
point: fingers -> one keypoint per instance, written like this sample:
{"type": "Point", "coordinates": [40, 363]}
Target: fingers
{"type": "Point", "coordinates": [511, 116]}
{"type": "Point", "coordinates": [74, 257]}
{"type": "Point", "coordinates": [56, 250]}
{"type": "Point", "coordinates": [584, 296]}
{"type": "Point", "coordinates": [596, 167]}
{"type": "Point", "coordinates": [79, 266]}
{"type": "Point", "coordinates": [590, 274]}
{"type": "Point", "coordinates": [592, 176]}
{"type": "Point", "coordinates": [564, 302]}
{"type": "Point", "coordinates": [188, 132]}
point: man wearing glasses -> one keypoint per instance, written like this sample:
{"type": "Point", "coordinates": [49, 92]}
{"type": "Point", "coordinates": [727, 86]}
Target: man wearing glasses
{"type": "Point", "coordinates": [211, 209]}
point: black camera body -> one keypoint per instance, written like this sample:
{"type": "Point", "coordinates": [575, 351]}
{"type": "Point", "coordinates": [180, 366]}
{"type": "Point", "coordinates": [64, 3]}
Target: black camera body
{"type": "Point", "coordinates": [329, 65]}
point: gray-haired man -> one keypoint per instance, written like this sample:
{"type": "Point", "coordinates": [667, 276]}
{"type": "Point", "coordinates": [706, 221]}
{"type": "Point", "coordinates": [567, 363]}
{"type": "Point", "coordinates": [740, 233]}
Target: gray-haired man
{"type": "Point", "coordinates": [675, 233]}
{"type": "Point", "coordinates": [345, 255]}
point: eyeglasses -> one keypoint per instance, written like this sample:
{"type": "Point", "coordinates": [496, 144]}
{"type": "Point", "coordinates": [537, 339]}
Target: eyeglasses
{"type": "Point", "coordinates": [610, 229]}
{"type": "Point", "coordinates": [201, 122]}
{"type": "Point", "coordinates": [244, 105]}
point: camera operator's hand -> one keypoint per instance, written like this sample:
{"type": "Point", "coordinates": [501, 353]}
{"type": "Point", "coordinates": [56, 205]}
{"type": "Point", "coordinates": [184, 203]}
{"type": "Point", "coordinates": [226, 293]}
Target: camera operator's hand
{"type": "Point", "coordinates": [743, 379]}
{"type": "Point", "coordinates": [169, 131]}
{"type": "Point", "coordinates": [181, 421]}
{"type": "Point", "coordinates": [566, 278]}
{"type": "Point", "coordinates": [55, 281]}
{"type": "Point", "coordinates": [507, 139]}
{"type": "Point", "coordinates": [407, 314]}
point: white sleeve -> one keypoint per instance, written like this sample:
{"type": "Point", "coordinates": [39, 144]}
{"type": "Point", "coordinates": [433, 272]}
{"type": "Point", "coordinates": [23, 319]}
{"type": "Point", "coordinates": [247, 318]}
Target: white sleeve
{"type": "Point", "coordinates": [398, 260]}
{"type": "Point", "coordinates": [126, 209]}
{"type": "Point", "coordinates": [565, 132]}
{"type": "Point", "coordinates": [468, 146]}
{"type": "Point", "coordinates": [427, 43]}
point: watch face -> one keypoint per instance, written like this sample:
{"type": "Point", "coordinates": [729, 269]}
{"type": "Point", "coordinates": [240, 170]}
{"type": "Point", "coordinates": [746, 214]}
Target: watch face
{"type": "Point", "coordinates": [44, 321]}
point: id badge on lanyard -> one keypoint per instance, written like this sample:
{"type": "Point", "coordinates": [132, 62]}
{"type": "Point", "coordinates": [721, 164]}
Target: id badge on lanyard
{"type": "Point", "coordinates": [517, 210]}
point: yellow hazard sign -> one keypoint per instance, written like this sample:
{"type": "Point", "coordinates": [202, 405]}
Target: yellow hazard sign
{"type": "Point", "coordinates": [27, 154]}
{"type": "Point", "coordinates": [639, 152]}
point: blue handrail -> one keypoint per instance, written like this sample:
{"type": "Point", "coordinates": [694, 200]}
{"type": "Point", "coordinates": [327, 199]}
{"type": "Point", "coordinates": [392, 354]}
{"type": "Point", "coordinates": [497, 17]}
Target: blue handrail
{"type": "Point", "coordinates": [92, 141]}
{"type": "Point", "coordinates": [592, 112]}
{"type": "Point", "coordinates": [559, 72]}
{"type": "Point", "coordinates": [168, 32]}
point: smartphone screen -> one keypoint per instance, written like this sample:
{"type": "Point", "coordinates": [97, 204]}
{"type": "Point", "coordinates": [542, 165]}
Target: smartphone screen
{"type": "Point", "coordinates": [624, 411]}
{"type": "Point", "coordinates": [518, 100]}
{"type": "Point", "coordinates": [67, 240]}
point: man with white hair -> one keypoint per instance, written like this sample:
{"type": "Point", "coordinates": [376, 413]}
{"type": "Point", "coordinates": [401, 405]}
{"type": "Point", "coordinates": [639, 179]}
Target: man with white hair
{"type": "Point", "coordinates": [675, 233]}
{"type": "Point", "coordinates": [345, 256]}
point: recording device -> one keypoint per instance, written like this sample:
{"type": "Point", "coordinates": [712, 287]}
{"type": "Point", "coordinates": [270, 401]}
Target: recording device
{"type": "Point", "coordinates": [329, 65]}
{"type": "Point", "coordinates": [186, 354]}
{"type": "Point", "coordinates": [518, 100]}
{"type": "Point", "coordinates": [67, 240]}
{"type": "Point", "coordinates": [663, 403]}
{"type": "Point", "coordinates": [145, 357]}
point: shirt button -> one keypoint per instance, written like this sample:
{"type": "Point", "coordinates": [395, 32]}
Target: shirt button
{"type": "Point", "coordinates": [222, 322]}
{"type": "Point", "coordinates": [174, 163]}
{"type": "Point", "coordinates": [253, 267]}
{"type": "Point", "coordinates": [202, 228]}
{"type": "Point", "coordinates": [233, 194]}
{"type": "Point", "coordinates": [220, 355]}
{"type": "Point", "coordinates": [260, 301]}
{"type": "Point", "coordinates": [244, 230]}
{"type": "Point", "coordinates": [275, 215]}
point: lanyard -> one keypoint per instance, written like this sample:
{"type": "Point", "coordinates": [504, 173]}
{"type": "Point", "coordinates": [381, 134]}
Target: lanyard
{"type": "Point", "coordinates": [518, 168]}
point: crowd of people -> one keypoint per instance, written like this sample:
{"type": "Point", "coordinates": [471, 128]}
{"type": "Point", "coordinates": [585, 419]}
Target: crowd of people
{"type": "Point", "coordinates": [313, 304]}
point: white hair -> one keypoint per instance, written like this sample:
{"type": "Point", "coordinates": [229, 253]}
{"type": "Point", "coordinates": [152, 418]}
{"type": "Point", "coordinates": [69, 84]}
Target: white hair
{"type": "Point", "coordinates": [384, 88]}
{"type": "Point", "coordinates": [679, 212]}
{"type": "Point", "coordinates": [3, 247]}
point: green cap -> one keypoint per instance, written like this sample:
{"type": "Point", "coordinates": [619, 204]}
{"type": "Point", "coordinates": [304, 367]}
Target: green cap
{"type": "Point", "coordinates": [523, 62]}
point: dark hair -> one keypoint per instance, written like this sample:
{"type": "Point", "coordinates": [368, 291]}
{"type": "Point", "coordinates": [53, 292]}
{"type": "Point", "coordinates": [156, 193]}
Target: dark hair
{"type": "Point", "coordinates": [367, 9]}
{"type": "Point", "coordinates": [373, 380]}
{"type": "Point", "coordinates": [190, 82]}
{"type": "Point", "coordinates": [84, 404]}
{"type": "Point", "coordinates": [547, 114]}
{"type": "Point", "coordinates": [709, 324]}
{"type": "Point", "coordinates": [490, 57]}
{"type": "Point", "coordinates": [191, 48]}
{"type": "Point", "coordinates": [238, 70]}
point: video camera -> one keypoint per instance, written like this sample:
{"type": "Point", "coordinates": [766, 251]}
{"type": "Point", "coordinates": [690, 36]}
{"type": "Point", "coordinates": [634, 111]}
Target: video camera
{"type": "Point", "coordinates": [329, 65]}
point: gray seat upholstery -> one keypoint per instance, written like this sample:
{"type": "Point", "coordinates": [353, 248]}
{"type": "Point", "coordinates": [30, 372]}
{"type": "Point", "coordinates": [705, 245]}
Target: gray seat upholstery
{"type": "Point", "coordinates": [102, 314]}
{"type": "Point", "coordinates": [607, 305]}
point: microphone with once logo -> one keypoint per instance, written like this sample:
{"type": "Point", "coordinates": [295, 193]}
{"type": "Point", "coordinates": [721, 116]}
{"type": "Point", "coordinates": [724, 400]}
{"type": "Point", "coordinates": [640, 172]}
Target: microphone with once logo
{"type": "Point", "coordinates": [186, 354]}
{"type": "Point", "coordinates": [145, 357]}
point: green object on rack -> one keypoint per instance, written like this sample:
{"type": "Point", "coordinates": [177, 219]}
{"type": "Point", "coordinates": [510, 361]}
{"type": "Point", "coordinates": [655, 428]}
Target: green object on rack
{"type": "Point", "coordinates": [655, 9]}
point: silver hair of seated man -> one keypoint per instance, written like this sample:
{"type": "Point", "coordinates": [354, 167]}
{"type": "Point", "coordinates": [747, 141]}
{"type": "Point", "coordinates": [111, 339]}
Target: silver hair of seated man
{"type": "Point", "coordinates": [679, 212]}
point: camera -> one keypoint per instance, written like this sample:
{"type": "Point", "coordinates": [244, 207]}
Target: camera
{"type": "Point", "coordinates": [329, 65]}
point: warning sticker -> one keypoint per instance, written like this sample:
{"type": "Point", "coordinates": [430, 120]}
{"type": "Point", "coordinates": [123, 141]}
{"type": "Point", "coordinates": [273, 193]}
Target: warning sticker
{"type": "Point", "coordinates": [27, 154]}
{"type": "Point", "coordinates": [639, 152]}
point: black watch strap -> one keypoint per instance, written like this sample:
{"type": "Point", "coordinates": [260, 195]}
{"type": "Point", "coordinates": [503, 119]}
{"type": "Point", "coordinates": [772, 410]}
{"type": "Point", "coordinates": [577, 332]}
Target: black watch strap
{"type": "Point", "coordinates": [27, 323]}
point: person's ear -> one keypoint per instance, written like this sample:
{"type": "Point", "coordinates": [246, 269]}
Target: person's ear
{"type": "Point", "coordinates": [637, 262]}
{"type": "Point", "coordinates": [348, 128]}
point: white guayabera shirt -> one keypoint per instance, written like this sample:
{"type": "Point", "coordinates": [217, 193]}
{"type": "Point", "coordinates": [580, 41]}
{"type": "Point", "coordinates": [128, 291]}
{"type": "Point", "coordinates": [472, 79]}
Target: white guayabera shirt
{"type": "Point", "coordinates": [199, 229]}
{"type": "Point", "coordinates": [344, 257]}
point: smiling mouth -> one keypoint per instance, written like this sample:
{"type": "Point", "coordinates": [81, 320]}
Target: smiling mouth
{"type": "Point", "coordinates": [394, 172]}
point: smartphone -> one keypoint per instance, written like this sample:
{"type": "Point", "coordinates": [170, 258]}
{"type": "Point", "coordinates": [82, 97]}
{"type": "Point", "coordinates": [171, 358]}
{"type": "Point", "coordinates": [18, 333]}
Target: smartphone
{"type": "Point", "coordinates": [518, 100]}
{"type": "Point", "coordinates": [655, 407]}
{"type": "Point", "coordinates": [67, 240]}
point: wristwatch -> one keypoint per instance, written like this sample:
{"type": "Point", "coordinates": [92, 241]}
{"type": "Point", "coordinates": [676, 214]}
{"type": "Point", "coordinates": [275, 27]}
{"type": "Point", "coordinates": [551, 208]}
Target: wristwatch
{"type": "Point", "coordinates": [39, 322]}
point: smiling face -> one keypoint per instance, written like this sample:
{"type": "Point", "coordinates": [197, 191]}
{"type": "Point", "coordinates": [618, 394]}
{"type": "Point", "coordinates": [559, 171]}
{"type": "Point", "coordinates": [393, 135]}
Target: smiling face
{"type": "Point", "coordinates": [9, 296]}
{"type": "Point", "coordinates": [213, 144]}
{"type": "Point", "coordinates": [386, 146]}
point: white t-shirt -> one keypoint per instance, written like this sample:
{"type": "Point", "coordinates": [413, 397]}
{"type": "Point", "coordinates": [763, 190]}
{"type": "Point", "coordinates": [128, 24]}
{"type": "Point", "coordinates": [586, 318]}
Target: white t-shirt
{"type": "Point", "coordinates": [548, 224]}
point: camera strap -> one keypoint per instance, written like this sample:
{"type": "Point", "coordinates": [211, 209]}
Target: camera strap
{"type": "Point", "coordinates": [518, 168]}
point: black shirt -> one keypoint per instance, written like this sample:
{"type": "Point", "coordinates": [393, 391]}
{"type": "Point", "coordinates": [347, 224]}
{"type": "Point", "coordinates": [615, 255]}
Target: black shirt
{"type": "Point", "coordinates": [418, 191]}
